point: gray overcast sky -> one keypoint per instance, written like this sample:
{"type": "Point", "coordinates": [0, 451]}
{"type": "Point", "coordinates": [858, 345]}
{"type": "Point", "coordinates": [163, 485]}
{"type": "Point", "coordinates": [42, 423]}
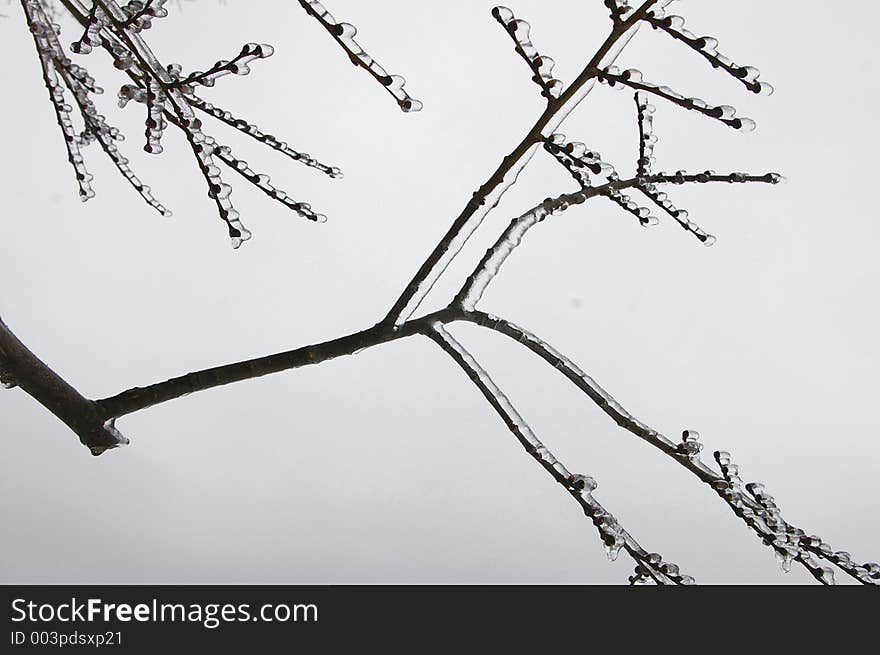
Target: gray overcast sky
{"type": "Point", "coordinates": [388, 466]}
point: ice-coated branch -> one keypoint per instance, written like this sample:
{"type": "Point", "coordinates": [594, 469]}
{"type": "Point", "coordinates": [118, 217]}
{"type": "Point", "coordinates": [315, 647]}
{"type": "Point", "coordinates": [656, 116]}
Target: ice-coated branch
{"type": "Point", "coordinates": [614, 537]}
{"type": "Point", "coordinates": [758, 509]}
{"type": "Point", "coordinates": [505, 176]}
{"type": "Point", "coordinates": [263, 183]}
{"type": "Point", "coordinates": [647, 139]}
{"type": "Point", "coordinates": [255, 133]}
{"type": "Point", "coordinates": [169, 98]}
{"type": "Point", "coordinates": [632, 78]}
{"type": "Point", "coordinates": [98, 130]}
{"type": "Point", "coordinates": [43, 33]}
{"type": "Point", "coordinates": [488, 268]}
{"type": "Point", "coordinates": [541, 66]}
{"type": "Point", "coordinates": [579, 161]}
{"type": "Point", "coordinates": [239, 65]}
{"type": "Point", "coordinates": [788, 542]}
{"type": "Point", "coordinates": [707, 47]}
{"type": "Point", "coordinates": [141, 14]}
{"type": "Point", "coordinates": [343, 34]}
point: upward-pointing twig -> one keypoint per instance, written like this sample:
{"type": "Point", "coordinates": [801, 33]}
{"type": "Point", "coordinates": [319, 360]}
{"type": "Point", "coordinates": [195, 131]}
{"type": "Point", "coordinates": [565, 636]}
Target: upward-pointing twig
{"type": "Point", "coordinates": [541, 66]}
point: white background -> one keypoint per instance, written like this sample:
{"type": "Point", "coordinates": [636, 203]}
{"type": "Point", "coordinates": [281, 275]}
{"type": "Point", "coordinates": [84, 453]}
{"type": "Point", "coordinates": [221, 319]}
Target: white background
{"type": "Point", "coordinates": [389, 466]}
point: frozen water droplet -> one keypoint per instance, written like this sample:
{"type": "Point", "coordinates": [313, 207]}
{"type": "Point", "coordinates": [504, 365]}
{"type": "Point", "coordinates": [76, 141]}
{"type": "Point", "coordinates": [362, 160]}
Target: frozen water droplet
{"type": "Point", "coordinates": [612, 551]}
{"type": "Point", "coordinates": [583, 483]}
{"type": "Point", "coordinates": [784, 560]}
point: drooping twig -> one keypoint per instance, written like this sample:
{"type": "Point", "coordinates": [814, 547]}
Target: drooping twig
{"type": "Point", "coordinates": [581, 487]}
{"type": "Point", "coordinates": [343, 34]}
{"type": "Point", "coordinates": [169, 97]}
{"type": "Point", "coordinates": [790, 543]}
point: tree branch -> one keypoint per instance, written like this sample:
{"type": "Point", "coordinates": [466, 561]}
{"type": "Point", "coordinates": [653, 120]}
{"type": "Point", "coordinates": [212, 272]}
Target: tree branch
{"type": "Point", "coordinates": [488, 268]}
{"type": "Point", "coordinates": [614, 536]}
{"type": "Point", "coordinates": [789, 542]}
{"type": "Point", "coordinates": [489, 195]}
{"type": "Point", "coordinates": [20, 367]}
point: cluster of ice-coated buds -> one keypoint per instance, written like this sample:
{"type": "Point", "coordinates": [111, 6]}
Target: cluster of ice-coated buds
{"type": "Point", "coordinates": [169, 97]}
{"type": "Point", "coordinates": [142, 13]}
{"type": "Point", "coordinates": [760, 512]}
{"type": "Point", "coordinates": [581, 162]}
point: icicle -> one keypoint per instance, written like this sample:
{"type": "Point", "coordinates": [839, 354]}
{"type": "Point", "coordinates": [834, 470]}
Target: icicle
{"type": "Point", "coordinates": [647, 138]}
{"type": "Point", "coordinates": [155, 124]}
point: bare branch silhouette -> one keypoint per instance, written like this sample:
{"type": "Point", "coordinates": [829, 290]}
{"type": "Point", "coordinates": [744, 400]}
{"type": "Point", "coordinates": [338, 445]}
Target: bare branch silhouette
{"type": "Point", "coordinates": [170, 99]}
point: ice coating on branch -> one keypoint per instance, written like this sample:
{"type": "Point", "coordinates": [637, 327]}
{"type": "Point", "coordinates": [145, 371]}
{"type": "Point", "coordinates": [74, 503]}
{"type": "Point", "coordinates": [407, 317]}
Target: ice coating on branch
{"type": "Point", "coordinates": [759, 510]}
{"type": "Point", "coordinates": [633, 79]}
{"type": "Point", "coordinates": [155, 125]}
{"type": "Point", "coordinates": [690, 445]}
{"type": "Point", "coordinates": [750, 502]}
{"type": "Point", "coordinates": [682, 217]}
{"type": "Point", "coordinates": [614, 538]}
{"type": "Point", "coordinates": [239, 65]}
{"type": "Point", "coordinates": [167, 95]}
{"type": "Point", "coordinates": [141, 13]}
{"type": "Point", "coordinates": [580, 161]}
{"type": "Point", "coordinates": [97, 21]}
{"type": "Point", "coordinates": [487, 197]}
{"type": "Point", "coordinates": [344, 34]}
{"type": "Point", "coordinates": [500, 402]}
{"type": "Point", "coordinates": [620, 10]}
{"type": "Point", "coordinates": [110, 430]}
{"type": "Point", "coordinates": [541, 66]}
{"type": "Point", "coordinates": [647, 138]}
{"type": "Point", "coordinates": [707, 46]}
{"type": "Point", "coordinates": [263, 183]}
{"type": "Point", "coordinates": [266, 139]}
{"type": "Point", "coordinates": [45, 38]}
{"type": "Point", "coordinates": [497, 255]}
